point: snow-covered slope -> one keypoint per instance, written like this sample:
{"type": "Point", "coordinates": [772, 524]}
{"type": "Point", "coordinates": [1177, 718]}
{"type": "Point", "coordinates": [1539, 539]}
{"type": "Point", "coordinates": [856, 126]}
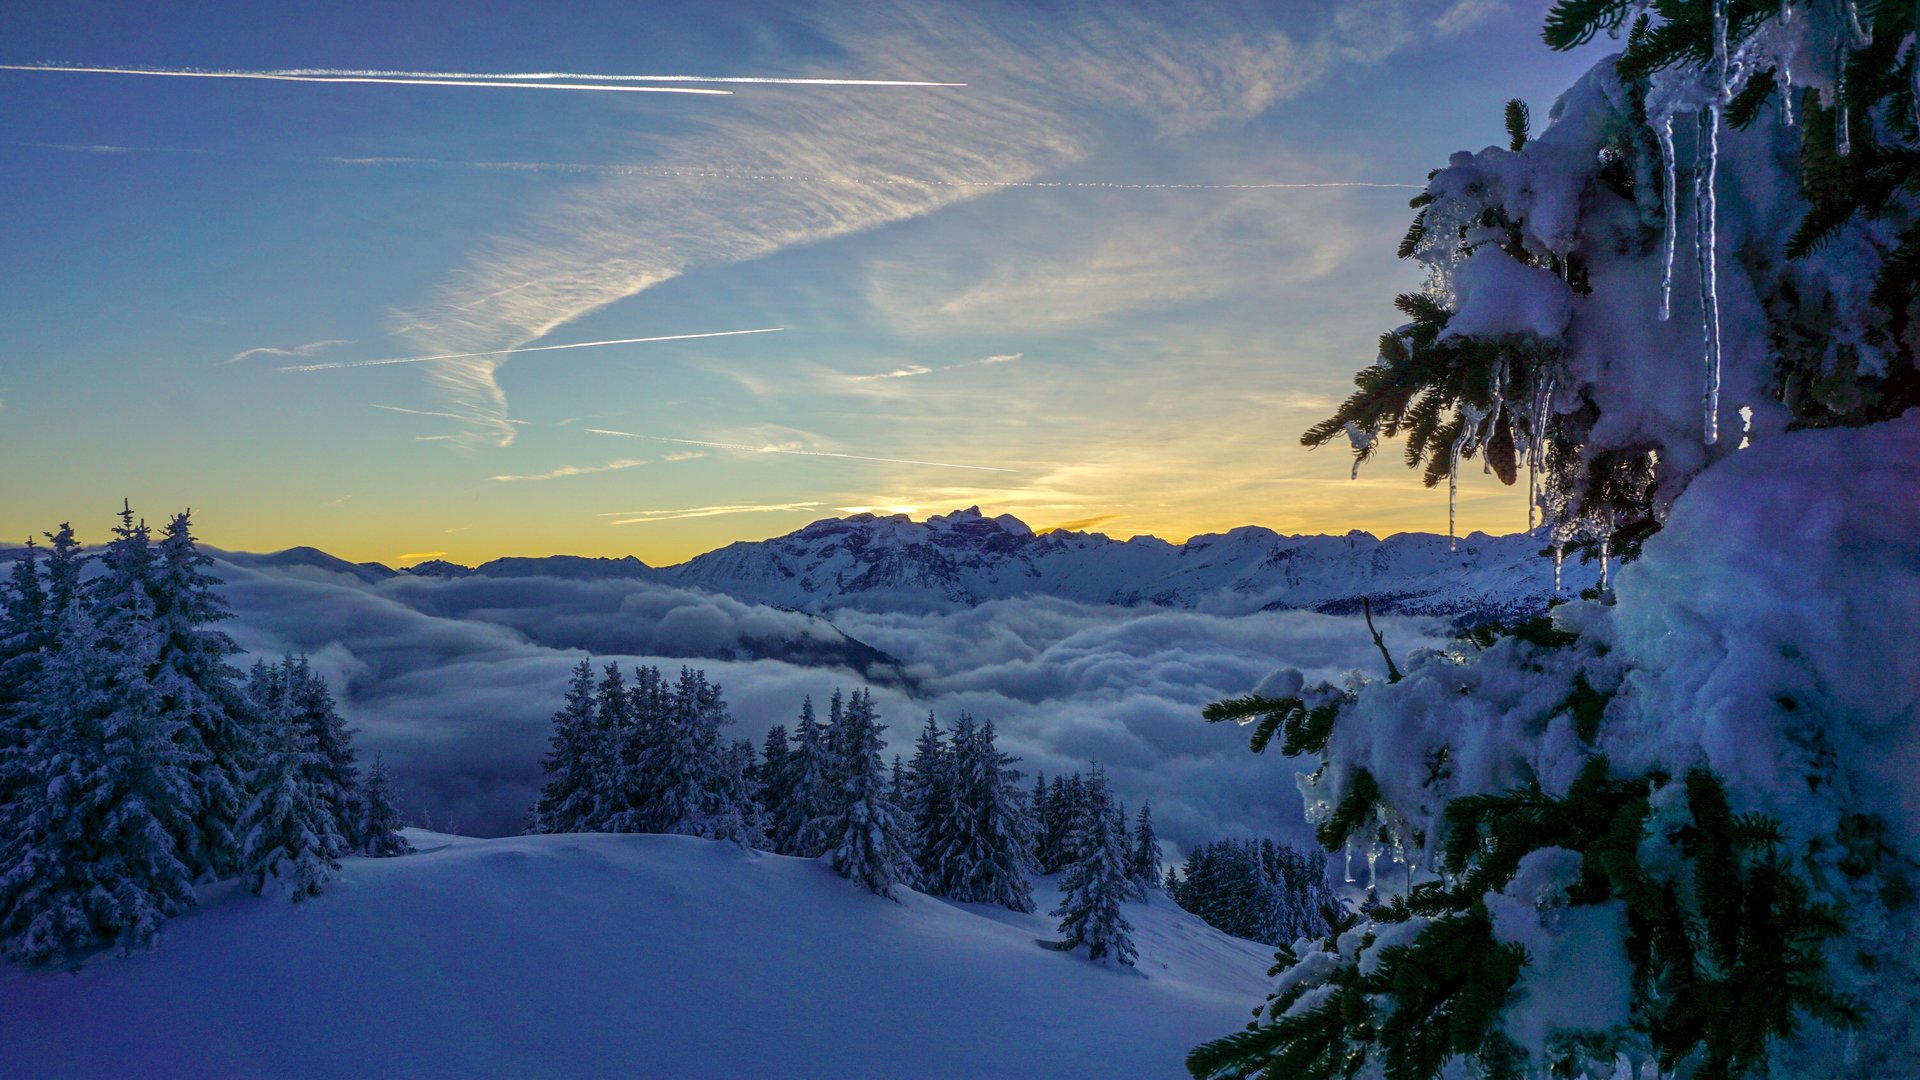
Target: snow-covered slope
{"type": "Point", "coordinates": [654, 956]}
{"type": "Point", "coordinates": [964, 558]}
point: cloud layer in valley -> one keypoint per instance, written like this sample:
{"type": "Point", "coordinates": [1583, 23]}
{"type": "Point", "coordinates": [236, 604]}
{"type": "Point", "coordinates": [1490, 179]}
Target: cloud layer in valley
{"type": "Point", "coordinates": [454, 682]}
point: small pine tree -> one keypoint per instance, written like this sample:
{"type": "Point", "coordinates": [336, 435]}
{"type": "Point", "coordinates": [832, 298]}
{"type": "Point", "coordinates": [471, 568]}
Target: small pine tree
{"type": "Point", "coordinates": [929, 785]}
{"type": "Point", "coordinates": [380, 822]}
{"type": "Point", "coordinates": [982, 853]}
{"type": "Point", "coordinates": [288, 835]}
{"type": "Point", "coordinates": [1096, 883]}
{"type": "Point", "coordinates": [867, 834]}
{"type": "Point", "coordinates": [567, 796]}
{"type": "Point", "coordinates": [808, 787]}
{"type": "Point", "coordinates": [1144, 866]}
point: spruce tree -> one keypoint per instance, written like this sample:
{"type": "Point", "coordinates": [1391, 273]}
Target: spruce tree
{"type": "Point", "coordinates": [289, 838]}
{"type": "Point", "coordinates": [1144, 864]}
{"type": "Point", "coordinates": [981, 854]}
{"type": "Point", "coordinates": [200, 690]}
{"type": "Point", "coordinates": [91, 852]}
{"type": "Point", "coordinates": [380, 823]}
{"type": "Point", "coordinates": [292, 689]}
{"type": "Point", "coordinates": [867, 835]}
{"type": "Point", "coordinates": [26, 634]}
{"type": "Point", "coordinates": [773, 778]}
{"type": "Point", "coordinates": [929, 797]}
{"type": "Point", "coordinates": [1096, 883]}
{"type": "Point", "coordinates": [566, 797]}
{"type": "Point", "coordinates": [809, 787]}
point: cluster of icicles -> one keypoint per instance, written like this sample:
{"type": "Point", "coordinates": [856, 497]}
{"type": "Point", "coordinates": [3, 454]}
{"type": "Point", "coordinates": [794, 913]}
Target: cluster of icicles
{"type": "Point", "coordinates": [1677, 95]}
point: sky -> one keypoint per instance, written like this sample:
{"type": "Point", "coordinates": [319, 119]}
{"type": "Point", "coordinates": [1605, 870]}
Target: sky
{"type": "Point", "coordinates": [1079, 288]}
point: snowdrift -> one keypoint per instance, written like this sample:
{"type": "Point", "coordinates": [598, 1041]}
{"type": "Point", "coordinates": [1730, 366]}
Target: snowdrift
{"type": "Point", "coordinates": [600, 955]}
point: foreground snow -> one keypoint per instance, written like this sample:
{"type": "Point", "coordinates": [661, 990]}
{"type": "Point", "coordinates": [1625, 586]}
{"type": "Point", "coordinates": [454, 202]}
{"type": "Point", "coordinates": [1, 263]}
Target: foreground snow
{"type": "Point", "coordinates": [625, 955]}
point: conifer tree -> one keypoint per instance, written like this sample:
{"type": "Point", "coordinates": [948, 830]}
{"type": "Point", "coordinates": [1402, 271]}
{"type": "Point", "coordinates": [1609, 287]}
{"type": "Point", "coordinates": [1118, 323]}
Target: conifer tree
{"type": "Point", "coordinates": [92, 856]}
{"type": "Point", "coordinates": [566, 798]}
{"type": "Point", "coordinates": [981, 853]}
{"type": "Point", "coordinates": [292, 689]}
{"type": "Point", "coordinates": [1096, 883]}
{"type": "Point", "coordinates": [809, 788]}
{"type": "Point", "coordinates": [1144, 865]}
{"type": "Point", "coordinates": [380, 822]}
{"type": "Point", "coordinates": [867, 835]}
{"type": "Point", "coordinates": [772, 775]}
{"type": "Point", "coordinates": [929, 786]}
{"type": "Point", "coordinates": [289, 838]}
{"type": "Point", "coordinates": [26, 634]}
{"type": "Point", "coordinates": [200, 690]}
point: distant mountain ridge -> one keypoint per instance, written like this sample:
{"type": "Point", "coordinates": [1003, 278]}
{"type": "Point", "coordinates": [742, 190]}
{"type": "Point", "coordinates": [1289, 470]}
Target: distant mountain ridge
{"type": "Point", "coordinates": [956, 560]}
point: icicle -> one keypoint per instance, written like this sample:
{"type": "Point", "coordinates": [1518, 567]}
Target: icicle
{"type": "Point", "coordinates": [1861, 39]}
{"type": "Point", "coordinates": [1786, 13]}
{"type": "Point", "coordinates": [1606, 556]}
{"type": "Point", "coordinates": [1843, 120]}
{"type": "Point", "coordinates": [1349, 870]}
{"type": "Point", "coordinates": [1706, 243]}
{"type": "Point", "coordinates": [1786, 89]}
{"type": "Point", "coordinates": [1665, 133]}
{"type": "Point", "coordinates": [1373, 858]}
{"type": "Point", "coordinates": [1746, 427]}
{"type": "Point", "coordinates": [1559, 551]}
{"type": "Point", "coordinates": [1453, 498]}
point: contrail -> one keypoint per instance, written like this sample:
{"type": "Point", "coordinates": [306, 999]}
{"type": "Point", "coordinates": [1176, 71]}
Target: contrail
{"type": "Point", "coordinates": [517, 76]}
{"type": "Point", "coordinates": [274, 76]}
{"type": "Point", "coordinates": [644, 517]}
{"type": "Point", "coordinates": [802, 453]}
{"type": "Point", "coordinates": [504, 352]}
{"type": "Point", "coordinates": [447, 415]}
{"type": "Point", "coordinates": [876, 181]}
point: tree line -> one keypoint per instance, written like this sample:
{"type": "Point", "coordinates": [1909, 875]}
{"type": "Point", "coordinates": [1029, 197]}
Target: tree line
{"type": "Point", "coordinates": [137, 761]}
{"type": "Point", "coordinates": [649, 754]}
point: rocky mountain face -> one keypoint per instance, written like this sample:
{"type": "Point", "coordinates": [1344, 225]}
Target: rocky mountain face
{"type": "Point", "coordinates": [893, 563]}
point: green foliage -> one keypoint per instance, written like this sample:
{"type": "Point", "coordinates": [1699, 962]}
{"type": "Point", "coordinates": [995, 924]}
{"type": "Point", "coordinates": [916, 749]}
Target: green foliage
{"type": "Point", "coordinates": [1518, 118]}
{"type": "Point", "coordinates": [1302, 730]}
{"type": "Point", "coordinates": [1355, 810]}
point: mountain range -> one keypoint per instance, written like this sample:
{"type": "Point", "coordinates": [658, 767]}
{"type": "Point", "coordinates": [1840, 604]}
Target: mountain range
{"type": "Point", "coordinates": [965, 558]}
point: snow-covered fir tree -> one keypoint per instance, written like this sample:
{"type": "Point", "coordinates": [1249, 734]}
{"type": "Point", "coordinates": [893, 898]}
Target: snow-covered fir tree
{"type": "Point", "coordinates": [808, 789]}
{"type": "Point", "coordinates": [291, 689]}
{"type": "Point", "coordinates": [867, 836]}
{"type": "Point", "coordinates": [26, 636]}
{"type": "Point", "coordinates": [567, 796]}
{"type": "Point", "coordinates": [1096, 881]}
{"type": "Point", "coordinates": [289, 838]}
{"type": "Point", "coordinates": [770, 778]}
{"type": "Point", "coordinates": [1261, 891]}
{"type": "Point", "coordinates": [200, 690]}
{"type": "Point", "coordinates": [929, 800]}
{"type": "Point", "coordinates": [380, 822]}
{"type": "Point", "coordinates": [980, 854]}
{"type": "Point", "coordinates": [1654, 828]}
{"type": "Point", "coordinates": [1143, 864]}
{"type": "Point", "coordinates": [90, 856]}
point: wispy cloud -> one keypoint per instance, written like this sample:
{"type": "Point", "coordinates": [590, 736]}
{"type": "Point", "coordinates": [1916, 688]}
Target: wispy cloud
{"type": "Point", "coordinates": [1079, 524]}
{"type": "Point", "coordinates": [103, 148]}
{"type": "Point", "coordinates": [645, 517]}
{"type": "Point", "coordinates": [907, 372]}
{"type": "Point", "coordinates": [502, 352]}
{"type": "Point", "coordinates": [309, 349]}
{"type": "Point", "coordinates": [416, 556]}
{"type": "Point", "coordinates": [421, 79]}
{"type": "Point", "coordinates": [1466, 13]}
{"type": "Point", "coordinates": [1036, 84]}
{"type": "Point", "coordinates": [878, 180]}
{"type": "Point", "coordinates": [769, 449]}
{"type": "Point", "coordinates": [685, 455]}
{"type": "Point", "coordinates": [1003, 358]}
{"type": "Point", "coordinates": [576, 470]}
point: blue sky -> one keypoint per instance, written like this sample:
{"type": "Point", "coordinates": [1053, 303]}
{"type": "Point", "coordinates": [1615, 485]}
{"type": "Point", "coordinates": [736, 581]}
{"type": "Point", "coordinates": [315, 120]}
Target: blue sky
{"type": "Point", "coordinates": [1132, 359]}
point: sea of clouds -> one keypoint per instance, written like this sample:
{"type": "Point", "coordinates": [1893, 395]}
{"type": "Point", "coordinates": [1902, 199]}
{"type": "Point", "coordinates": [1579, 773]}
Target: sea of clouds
{"type": "Point", "coordinates": [455, 682]}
